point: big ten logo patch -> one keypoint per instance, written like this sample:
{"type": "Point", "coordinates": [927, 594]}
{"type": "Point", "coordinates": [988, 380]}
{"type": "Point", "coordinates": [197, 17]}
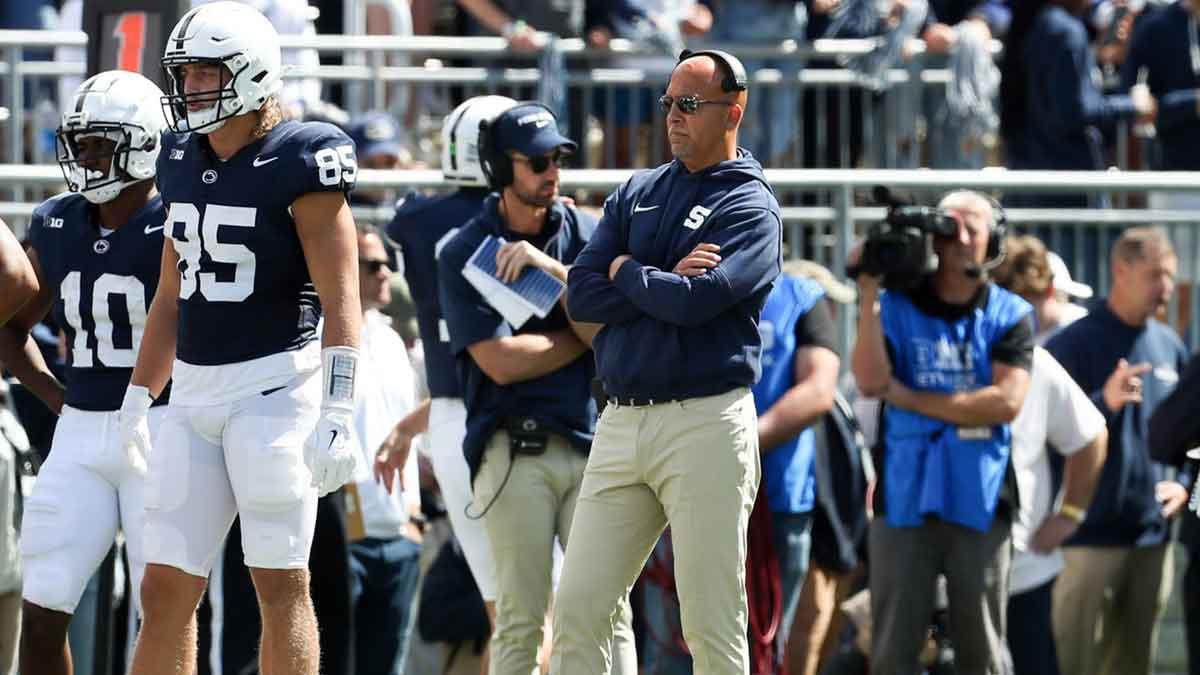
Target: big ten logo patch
{"type": "Point", "coordinates": [696, 218]}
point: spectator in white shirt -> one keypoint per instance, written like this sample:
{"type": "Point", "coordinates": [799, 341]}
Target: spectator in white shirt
{"type": "Point", "coordinates": [385, 536]}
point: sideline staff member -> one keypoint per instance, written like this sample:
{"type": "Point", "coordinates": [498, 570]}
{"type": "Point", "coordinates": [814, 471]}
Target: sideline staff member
{"type": "Point", "coordinates": [678, 442]}
{"type": "Point", "coordinates": [530, 414]}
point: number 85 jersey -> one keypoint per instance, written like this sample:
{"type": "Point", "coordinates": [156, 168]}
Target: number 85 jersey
{"type": "Point", "coordinates": [244, 287]}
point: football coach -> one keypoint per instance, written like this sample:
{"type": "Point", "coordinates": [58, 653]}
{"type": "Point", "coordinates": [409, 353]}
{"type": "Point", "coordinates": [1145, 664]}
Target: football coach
{"type": "Point", "coordinates": [677, 272]}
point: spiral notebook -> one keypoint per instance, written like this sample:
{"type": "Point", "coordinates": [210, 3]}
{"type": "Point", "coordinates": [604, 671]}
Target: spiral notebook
{"type": "Point", "coordinates": [533, 293]}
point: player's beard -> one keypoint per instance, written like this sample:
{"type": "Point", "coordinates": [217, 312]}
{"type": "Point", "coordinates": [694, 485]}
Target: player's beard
{"type": "Point", "coordinates": [538, 198]}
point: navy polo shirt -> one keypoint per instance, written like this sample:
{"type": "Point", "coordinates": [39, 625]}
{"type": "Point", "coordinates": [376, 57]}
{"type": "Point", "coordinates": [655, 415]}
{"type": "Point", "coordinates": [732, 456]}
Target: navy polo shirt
{"type": "Point", "coordinates": [560, 401]}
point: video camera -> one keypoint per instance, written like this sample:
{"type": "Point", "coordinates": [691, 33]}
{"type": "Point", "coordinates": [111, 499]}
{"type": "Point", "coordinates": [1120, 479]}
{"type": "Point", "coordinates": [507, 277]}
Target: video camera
{"type": "Point", "coordinates": [900, 248]}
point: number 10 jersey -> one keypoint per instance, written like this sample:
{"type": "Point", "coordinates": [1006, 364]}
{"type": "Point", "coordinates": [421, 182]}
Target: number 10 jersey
{"type": "Point", "coordinates": [244, 287]}
{"type": "Point", "coordinates": [102, 286]}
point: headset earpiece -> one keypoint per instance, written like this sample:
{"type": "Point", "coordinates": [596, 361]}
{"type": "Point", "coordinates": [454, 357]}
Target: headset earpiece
{"type": "Point", "coordinates": [997, 234]}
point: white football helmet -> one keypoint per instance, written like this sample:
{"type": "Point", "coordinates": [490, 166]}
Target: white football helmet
{"type": "Point", "coordinates": [122, 107]}
{"type": "Point", "coordinates": [460, 138]}
{"type": "Point", "coordinates": [227, 34]}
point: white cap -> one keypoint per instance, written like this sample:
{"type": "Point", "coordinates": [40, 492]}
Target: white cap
{"type": "Point", "coordinates": [1061, 277]}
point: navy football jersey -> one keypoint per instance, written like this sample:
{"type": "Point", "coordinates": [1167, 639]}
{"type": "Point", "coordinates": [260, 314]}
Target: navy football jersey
{"type": "Point", "coordinates": [244, 287]}
{"type": "Point", "coordinates": [420, 223]}
{"type": "Point", "coordinates": [102, 291]}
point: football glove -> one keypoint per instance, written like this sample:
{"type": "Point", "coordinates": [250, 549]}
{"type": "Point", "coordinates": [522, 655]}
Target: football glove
{"type": "Point", "coordinates": [331, 452]}
{"type": "Point", "coordinates": [133, 428]}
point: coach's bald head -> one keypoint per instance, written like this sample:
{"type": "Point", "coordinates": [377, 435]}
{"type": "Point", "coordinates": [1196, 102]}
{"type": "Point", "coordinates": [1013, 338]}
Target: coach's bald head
{"type": "Point", "coordinates": [708, 135]}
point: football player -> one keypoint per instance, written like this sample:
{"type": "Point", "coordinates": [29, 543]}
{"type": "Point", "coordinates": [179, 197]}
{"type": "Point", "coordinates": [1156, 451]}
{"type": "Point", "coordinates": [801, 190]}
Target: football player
{"type": "Point", "coordinates": [16, 275]}
{"type": "Point", "coordinates": [260, 241]}
{"type": "Point", "coordinates": [95, 251]}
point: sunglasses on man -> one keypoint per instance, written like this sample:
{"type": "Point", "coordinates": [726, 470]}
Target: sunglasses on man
{"type": "Point", "coordinates": [541, 163]}
{"type": "Point", "coordinates": [688, 105]}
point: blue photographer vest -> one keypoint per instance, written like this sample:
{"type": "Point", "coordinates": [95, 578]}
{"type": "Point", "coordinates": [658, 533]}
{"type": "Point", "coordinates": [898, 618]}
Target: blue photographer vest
{"type": "Point", "coordinates": [787, 469]}
{"type": "Point", "coordinates": [933, 467]}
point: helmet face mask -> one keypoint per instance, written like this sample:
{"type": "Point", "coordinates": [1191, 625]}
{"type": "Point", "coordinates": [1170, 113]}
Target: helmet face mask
{"type": "Point", "coordinates": [239, 41]}
{"type": "Point", "coordinates": [84, 167]}
{"type": "Point", "coordinates": [114, 121]}
{"type": "Point", "coordinates": [223, 102]}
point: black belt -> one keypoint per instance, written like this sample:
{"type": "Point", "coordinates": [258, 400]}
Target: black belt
{"type": "Point", "coordinates": [633, 402]}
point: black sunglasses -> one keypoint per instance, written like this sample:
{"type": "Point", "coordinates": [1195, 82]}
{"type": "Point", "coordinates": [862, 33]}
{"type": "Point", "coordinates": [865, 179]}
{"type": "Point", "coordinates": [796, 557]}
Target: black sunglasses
{"type": "Point", "coordinates": [540, 163]}
{"type": "Point", "coordinates": [688, 105]}
{"type": "Point", "coordinates": [373, 266]}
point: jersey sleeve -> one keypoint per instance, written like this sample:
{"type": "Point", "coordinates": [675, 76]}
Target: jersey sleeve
{"type": "Point", "coordinates": [328, 162]}
{"type": "Point", "coordinates": [42, 216]}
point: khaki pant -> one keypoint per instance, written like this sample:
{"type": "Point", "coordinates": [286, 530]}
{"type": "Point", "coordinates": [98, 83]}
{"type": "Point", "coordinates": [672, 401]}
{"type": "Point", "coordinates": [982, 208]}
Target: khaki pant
{"type": "Point", "coordinates": [693, 464]}
{"type": "Point", "coordinates": [1107, 604]}
{"type": "Point", "coordinates": [536, 504]}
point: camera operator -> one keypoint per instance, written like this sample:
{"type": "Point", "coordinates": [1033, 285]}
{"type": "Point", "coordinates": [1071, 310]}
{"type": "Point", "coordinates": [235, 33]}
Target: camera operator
{"type": "Point", "coordinates": [950, 358]}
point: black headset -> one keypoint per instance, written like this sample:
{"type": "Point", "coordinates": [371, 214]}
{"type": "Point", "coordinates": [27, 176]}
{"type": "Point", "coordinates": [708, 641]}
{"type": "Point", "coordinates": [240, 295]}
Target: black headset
{"type": "Point", "coordinates": [496, 164]}
{"type": "Point", "coordinates": [734, 72]}
{"type": "Point", "coordinates": [997, 235]}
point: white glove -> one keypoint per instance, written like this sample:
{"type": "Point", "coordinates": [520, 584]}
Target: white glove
{"type": "Point", "coordinates": [133, 429]}
{"type": "Point", "coordinates": [331, 453]}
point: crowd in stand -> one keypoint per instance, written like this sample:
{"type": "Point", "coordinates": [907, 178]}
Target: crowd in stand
{"type": "Point", "coordinates": [1073, 71]}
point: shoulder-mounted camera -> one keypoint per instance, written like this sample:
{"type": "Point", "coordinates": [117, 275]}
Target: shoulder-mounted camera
{"type": "Point", "coordinates": [899, 249]}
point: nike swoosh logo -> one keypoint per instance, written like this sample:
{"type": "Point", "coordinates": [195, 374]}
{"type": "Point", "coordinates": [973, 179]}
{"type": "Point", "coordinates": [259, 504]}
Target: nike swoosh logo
{"type": "Point", "coordinates": [272, 390]}
{"type": "Point", "coordinates": [150, 229]}
{"type": "Point", "coordinates": [259, 161]}
{"type": "Point", "coordinates": [332, 437]}
{"type": "Point", "coordinates": [638, 208]}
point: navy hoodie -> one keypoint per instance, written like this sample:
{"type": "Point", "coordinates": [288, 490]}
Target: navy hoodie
{"type": "Point", "coordinates": [1124, 511]}
{"type": "Point", "coordinates": [667, 336]}
{"type": "Point", "coordinates": [561, 400]}
{"type": "Point", "coordinates": [1162, 46]}
{"type": "Point", "coordinates": [1065, 104]}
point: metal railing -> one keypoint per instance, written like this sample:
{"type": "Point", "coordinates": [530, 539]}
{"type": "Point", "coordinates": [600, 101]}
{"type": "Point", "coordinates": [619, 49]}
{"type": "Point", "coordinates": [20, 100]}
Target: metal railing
{"type": "Point", "coordinates": [838, 122]}
{"type": "Point", "coordinates": [825, 233]}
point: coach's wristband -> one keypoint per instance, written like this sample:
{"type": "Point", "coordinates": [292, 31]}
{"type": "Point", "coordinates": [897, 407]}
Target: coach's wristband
{"type": "Point", "coordinates": [339, 370]}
